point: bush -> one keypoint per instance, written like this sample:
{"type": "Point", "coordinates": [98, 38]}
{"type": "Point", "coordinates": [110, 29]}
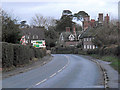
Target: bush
{"type": "Point", "coordinates": [7, 55]}
{"type": "Point", "coordinates": [31, 54]}
{"type": "Point", "coordinates": [65, 50]}
{"type": "Point", "coordinates": [21, 55]}
{"type": "Point", "coordinates": [17, 55]}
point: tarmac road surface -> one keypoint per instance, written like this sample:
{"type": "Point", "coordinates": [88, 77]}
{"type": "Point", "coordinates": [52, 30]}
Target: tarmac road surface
{"type": "Point", "coordinates": [64, 71]}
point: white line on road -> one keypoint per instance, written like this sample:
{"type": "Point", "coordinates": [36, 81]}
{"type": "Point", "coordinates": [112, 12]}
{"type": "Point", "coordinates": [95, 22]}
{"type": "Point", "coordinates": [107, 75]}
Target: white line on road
{"type": "Point", "coordinates": [53, 75]}
{"type": "Point", "coordinates": [60, 70]}
{"type": "Point", "coordinates": [41, 82]}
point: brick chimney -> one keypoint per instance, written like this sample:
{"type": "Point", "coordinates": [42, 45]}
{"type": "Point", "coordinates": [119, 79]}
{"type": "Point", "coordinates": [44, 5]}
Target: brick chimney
{"type": "Point", "coordinates": [100, 18]}
{"type": "Point", "coordinates": [106, 19]}
{"type": "Point", "coordinates": [67, 29]}
{"type": "Point", "coordinates": [92, 23]}
{"type": "Point", "coordinates": [74, 31]}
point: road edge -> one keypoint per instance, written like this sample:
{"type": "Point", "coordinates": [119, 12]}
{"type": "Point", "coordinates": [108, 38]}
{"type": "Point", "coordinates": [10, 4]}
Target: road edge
{"type": "Point", "coordinates": [29, 67]}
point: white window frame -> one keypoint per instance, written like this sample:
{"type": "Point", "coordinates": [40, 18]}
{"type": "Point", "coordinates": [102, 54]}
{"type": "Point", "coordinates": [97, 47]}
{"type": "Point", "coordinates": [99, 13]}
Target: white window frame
{"type": "Point", "coordinates": [90, 39]}
{"type": "Point", "coordinates": [87, 46]}
{"type": "Point", "coordinates": [71, 37]}
{"type": "Point", "coordinates": [90, 46]}
{"type": "Point", "coordinates": [84, 46]}
{"type": "Point", "coordinates": [93, 46]}
{"type": "Point", "coordinates": [84, 39]}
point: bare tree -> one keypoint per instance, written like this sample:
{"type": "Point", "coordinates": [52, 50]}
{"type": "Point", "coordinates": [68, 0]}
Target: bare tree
{"type": "Point", "coordinates": [106, 35]}
{"type": "Point", "coordinates": [40, 21]}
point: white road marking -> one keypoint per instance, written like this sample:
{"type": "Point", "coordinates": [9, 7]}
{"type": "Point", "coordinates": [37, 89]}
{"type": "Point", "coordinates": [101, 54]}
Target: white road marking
{"type": "Point", "coordinates": [63, 67]}
{"type": "Point", "coordinates": [53, 75]}
{"type": "Point", "coordinates": [60, 70]}
{"type": "Point", "coordinates": [41, 82]}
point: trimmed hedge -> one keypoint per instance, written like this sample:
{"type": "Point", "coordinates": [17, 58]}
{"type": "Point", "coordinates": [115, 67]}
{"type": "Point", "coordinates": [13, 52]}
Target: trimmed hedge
{"type": "Point", "coordinates": [65, 50]}
{"type": "Point", "coordinates": [7, 55]}
{"type": "Point", "coordinates": [21, 55]}
{"type": "Point", "coordinates": [16, 54]}
{"type": "Point", "coordinates": [105, 51]}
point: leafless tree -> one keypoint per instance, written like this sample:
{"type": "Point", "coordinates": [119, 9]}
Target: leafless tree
{"type": "Point", "coordinates": [40, 21]}
{"type": "Point", "coordinates": [106, 35]}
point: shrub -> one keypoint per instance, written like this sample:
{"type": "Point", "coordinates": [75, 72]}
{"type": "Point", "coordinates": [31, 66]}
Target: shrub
{"type": "Point", "coordinates": [7, 55]}
{"type": "Point", "coordinates": [21, 55]}
{"type": "Point", "coordinates": [17, 55]}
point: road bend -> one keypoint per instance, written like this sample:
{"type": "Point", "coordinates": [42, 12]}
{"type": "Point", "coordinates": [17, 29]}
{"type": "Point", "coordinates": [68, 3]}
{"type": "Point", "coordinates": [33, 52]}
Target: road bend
{"type": "Point", "coordinates": [64, 71]}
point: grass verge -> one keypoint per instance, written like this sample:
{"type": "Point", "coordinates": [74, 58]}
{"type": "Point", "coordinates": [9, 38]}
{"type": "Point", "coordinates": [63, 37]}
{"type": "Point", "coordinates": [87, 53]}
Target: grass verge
{"type": "Point", "coordinates": [115, 61]}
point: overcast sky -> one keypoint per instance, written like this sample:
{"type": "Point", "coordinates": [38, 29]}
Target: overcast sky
{"type": "Point", "coordinates": [26, 9]}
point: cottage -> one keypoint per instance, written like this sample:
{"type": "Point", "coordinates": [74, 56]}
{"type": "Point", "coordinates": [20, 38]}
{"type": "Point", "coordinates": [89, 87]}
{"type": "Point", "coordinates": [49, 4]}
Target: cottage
{"type": "Point", "coordinates": [87, 37]}
{"type": "Point", "coordinates": [70, 39]}
{"type": "Point", "coordinates": [31, 35]}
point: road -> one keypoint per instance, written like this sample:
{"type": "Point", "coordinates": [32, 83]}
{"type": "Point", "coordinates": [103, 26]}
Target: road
{"type": "Point", "coordinates": [64, 71]}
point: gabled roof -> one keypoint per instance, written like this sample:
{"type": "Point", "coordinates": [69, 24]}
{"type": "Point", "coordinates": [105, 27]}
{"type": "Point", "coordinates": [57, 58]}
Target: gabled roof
{"type": "Point", "coordinates": [88, 33]}
{"type": "Point", "coordinates": [67, 34]}
{"type": "Point", "coordinates": [34, 31]}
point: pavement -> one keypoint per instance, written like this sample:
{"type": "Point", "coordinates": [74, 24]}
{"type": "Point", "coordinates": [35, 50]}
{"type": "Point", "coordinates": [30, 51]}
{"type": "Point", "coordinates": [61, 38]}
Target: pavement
{"type": "Point", "coordinates": [113, 75]}
{"type": "Point", "coordinates": [63, 71]}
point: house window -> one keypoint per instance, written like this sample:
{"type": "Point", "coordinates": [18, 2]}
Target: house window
{"type": "Point", "coordinates": [79, 37]}
{"type": "Point", "coordinates": [90, 39]}
{"type": "Point", "coordinates": [84, 39]}
{"type": "Point", "coordinates": [87, 39]}
{"type": "Point", "coordinates": [90, 47]}
{"type": "Point", "coordinates": [35, 36]}
{"type": "Point", "coordinates": [71, 37]}
{"type": "Point", "coordinates": [84, 46]}
{"type": "Point", "coordinates": [27, 37]}
{"type": "Point", "coordinates": [93, 46]}
{"type": "Point", "coordinates": [87, 46]}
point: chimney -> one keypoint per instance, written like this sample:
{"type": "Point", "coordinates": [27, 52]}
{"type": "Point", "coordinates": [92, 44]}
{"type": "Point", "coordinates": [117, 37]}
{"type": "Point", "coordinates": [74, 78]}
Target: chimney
{"type": "Point", "coordinates": [106, 19]}
{"type": "Point", "coordinates": [67, 29]}
{"type": "Point", "coordinates": [92, 23]}
{"type": "Point", "coordinates": [74, 31]}
{"type": "Point", "coordinates": [100, 19]}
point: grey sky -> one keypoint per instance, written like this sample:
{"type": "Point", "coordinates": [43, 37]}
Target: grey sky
{"type": "Point", "coordinates": [25, 10]}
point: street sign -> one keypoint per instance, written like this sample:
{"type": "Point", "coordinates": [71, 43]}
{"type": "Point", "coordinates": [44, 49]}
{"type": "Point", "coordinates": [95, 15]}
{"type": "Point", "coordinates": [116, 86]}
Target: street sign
{"type": "Point", "coordinates": [39, 43]}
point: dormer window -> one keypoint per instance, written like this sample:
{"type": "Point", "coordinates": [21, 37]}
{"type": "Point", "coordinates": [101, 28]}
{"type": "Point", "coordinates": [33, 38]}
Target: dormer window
{"type": "Point", "coordinates": [27, 37]}
{"type": "Point", "coordinates": [35, 36]}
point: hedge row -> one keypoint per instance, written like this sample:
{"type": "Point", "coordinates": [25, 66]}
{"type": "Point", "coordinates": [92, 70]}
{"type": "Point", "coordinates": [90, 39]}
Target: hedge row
{"type": "Point", "coordinates": [105, 51]}
{"type": "Point", "coordinates": [63, 50]}
{"type": "Point", "coordinates": [72, 50]}
{"type": "Point", "coordinates": [16, 54]}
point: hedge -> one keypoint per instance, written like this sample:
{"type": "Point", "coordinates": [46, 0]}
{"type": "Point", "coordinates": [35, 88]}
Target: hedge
{"type": "Point", "coordinates": [65, 50]}
{"type": "Point", "coordinates": [16, 54]}
{"type": "Point", "coordinates": [21, 55]}
{"type": "Point", "coordinates": [105, 51]}
{"type": "Point", "coordinates": [7, 55]}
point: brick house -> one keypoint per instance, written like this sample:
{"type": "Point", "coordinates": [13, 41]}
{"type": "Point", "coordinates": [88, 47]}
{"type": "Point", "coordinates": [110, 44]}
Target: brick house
{"type": "Point", "coordinates": [70, 38]}
{"type": "Point", "coordinates": [86, 38]}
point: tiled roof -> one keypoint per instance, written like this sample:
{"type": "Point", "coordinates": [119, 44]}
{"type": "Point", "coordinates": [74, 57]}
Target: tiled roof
{"type": "Point", "coordinates": [34, 31]}
{"type": "Point", "coordinates": [88, 33]}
